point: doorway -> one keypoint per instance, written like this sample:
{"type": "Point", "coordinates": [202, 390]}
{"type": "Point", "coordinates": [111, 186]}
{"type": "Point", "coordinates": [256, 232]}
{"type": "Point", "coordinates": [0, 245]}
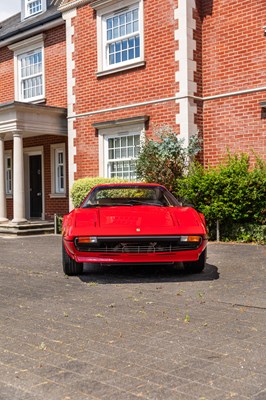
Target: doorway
{"type": "Point", "coordinates": [35, 174]}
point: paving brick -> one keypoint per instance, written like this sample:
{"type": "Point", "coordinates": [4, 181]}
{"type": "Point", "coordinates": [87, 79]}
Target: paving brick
{"type": "Point", "coordinates": [125, 335]}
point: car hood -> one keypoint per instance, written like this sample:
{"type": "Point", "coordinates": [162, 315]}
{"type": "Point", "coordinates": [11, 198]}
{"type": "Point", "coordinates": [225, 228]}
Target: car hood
{"type": "Point", "coordinates": [135, 220]}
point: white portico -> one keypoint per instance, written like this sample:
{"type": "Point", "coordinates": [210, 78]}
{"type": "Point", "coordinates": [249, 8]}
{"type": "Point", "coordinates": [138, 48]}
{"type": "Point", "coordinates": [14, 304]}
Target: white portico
{"type": "Point", "coordinates": [18, 121]}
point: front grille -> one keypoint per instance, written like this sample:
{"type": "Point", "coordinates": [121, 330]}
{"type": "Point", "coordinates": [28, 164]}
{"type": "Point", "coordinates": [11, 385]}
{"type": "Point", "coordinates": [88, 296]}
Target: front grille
{"type": "Point", "coordinates": [139, 246]}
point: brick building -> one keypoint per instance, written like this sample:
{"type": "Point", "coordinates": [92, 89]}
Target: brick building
{"type": "Point", "coordinates": [198, 66]}
{"type": "Point", "coordinates": [195, 65]}
{"type": "Point", "coordinates": [33, 109]}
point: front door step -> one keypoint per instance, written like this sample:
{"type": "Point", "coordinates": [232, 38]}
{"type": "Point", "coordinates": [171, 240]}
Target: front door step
{"type": "Point", "coordinates": [28, 228]}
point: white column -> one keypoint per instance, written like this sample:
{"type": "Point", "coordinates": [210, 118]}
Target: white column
{"type": "Point", "coordinates": [3, 218]}
{"type": "Point", "coordinates": [187, 67]}
{"type": "Point", "coordinates": [18, 180]}
{"type": "Point", "coordinates": [71, 99]}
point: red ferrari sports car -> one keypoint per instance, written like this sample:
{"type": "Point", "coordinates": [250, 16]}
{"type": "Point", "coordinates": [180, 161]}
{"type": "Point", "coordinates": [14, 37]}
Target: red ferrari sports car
{"type": "Point", "coordinates": [129, 223]}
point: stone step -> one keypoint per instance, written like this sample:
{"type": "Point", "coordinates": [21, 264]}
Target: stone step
{"type": "Point", "coordinates": [31, 228]}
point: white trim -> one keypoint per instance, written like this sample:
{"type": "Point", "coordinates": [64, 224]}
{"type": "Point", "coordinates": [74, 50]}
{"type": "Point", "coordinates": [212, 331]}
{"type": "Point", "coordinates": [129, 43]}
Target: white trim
{"type": "Point", "coordinates": [187, 66]}
{"type": "Point", "coordinates": [53, 149]}
{"type": "Point", "coordinates": [71, 100]}
{"type": "Point", "coordinates": [118, 131]}
{"type": "Point", "coordinates": [20, 49]}
{"type": "Point", "coordinates": [28, 44]}
{"type": "Point", "coordinates": [8, 154]}
{"type": "Point", "coordinates": [236, 93]}
{"type": "Point", "coordinates": [163, 100]}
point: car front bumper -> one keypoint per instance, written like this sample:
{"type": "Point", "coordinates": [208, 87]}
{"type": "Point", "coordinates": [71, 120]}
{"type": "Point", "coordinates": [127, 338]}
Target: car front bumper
{"type": "Point", "coordinates": [128, 258]}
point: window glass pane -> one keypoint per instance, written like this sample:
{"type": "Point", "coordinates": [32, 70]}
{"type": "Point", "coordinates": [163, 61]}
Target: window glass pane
{"type": "Point", "coordinates": [122, 30]}
{"type": "Point", "coordinates": [123, 152]}
{"type": "Point", "coordinates": [111, 154]}
{"type": "Point", "coordinates": [109, 35]}
{"type": "Point", "coordinates": [130, 152]}
{"type": "Point", "coordinates": [135, 26]}
{"type": "Point", "coordinates": [124, 141]}
{"type": "Point", "coordinates": [109, 23]}
{"type": "Point", "coordinates": [135, 14]}
{"type": "Point", "coordinates": [34, 6]}
{"type": "Point", "coordinates": [129, 16]}
{"type": "Point", "coordinates": [115, 33]}
{"type": "Point", "coordinates": [130, 140]}
{"type": "Point", "coordinates": [118, 57]}
{"type": "Point", "coordinates": [115, 21]}
{"type": "Point", "coordinates": [128, 29]}
{"type": "Point", "coordinates": [117, 153]}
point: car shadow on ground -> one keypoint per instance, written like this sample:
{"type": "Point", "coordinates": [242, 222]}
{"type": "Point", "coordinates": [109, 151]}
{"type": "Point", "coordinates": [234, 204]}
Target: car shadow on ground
{"type": "Point", "coordinates": [144, 274]}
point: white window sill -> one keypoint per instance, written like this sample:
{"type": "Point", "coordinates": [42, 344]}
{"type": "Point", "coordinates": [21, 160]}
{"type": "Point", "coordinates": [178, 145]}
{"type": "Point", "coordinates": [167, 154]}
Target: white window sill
{"type": "Point", "coordinates": [58, 196]}
{"type": "Point", "coordinates": [34, 101]}
{"type": "Point", "coordinates": [119, 69]}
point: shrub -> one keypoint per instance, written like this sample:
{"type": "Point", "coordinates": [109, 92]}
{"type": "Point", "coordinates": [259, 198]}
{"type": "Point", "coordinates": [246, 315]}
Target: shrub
{"type": "Point", "coordinates": [82, 186]}
{"type": "Point", "coordinates": [165, 159]}
{"type": "Point", "coordinates": [231, 193]}
{"type": "Point", "coordinates": [241, 232]}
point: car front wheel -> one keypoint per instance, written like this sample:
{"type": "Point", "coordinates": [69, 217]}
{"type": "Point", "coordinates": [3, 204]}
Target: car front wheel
{"type": "Point", "coordinates": [70, 266]}
{"type": "Point", "coordinates": [196, 266]}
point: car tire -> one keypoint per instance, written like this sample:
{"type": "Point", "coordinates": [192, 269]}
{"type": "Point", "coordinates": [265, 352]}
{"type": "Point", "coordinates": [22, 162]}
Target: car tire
{"type": "Point", "coordinates": [195, 267]}
{"type": "Point", "coordinates": [70, 266]}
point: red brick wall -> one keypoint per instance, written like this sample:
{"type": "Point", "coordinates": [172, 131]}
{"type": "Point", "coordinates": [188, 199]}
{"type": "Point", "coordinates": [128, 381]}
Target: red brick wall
{"type": "Point", "coordinates": [7, 91]}
{"type": "Point", "coordinates": [55, 67]}
{"type": "Point", "coordinates": [234, 59]}
{"type": "Point", "coordinates": [156, 80]}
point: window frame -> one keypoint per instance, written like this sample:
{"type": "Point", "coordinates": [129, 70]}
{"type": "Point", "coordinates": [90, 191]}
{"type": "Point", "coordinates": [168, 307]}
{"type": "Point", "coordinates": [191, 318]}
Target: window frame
{"type": "Point", "coordinates": [25, 8]}
{"type": "Point", "coordinates": [56, 190]}
{"type": "Point", "coordinates": [22, 57]}
{"type": "Point", "coordinates": [22, 49]}
{"type": "Point", "coordinates": [102, 15]}
{"type": "Point", "coordinates": [105, 134]}
{"type": "Point", "coordinates": [8, 180]}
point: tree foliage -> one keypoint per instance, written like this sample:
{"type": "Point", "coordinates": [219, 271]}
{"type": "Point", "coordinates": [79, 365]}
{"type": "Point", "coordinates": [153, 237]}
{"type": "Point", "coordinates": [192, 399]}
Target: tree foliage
{"type": "Point", "coordinates": [165, 158]}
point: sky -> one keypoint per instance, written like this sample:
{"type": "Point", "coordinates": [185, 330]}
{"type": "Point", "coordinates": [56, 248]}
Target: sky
{"type": "Point", "coordinates": [8, 8]}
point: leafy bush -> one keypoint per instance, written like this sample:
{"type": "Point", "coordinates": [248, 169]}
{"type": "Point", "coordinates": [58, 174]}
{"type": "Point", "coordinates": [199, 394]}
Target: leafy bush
{"type": "Point", "coordinates": [241, 232]}
{"type": "Point", "coordinates": [82, 186]}
{"type": "Point", "coordinates": [231, 193]}
{"type": "Point", "coordinates": [165, 159]}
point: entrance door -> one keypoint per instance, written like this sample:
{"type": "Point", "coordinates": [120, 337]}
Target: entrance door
{"type": "Point", "coordinates": [35, 186]}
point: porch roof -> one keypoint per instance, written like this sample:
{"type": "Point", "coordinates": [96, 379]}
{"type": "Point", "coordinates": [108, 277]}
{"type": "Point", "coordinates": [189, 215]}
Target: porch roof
{"type": "Point", "coordinates": [31, 119]}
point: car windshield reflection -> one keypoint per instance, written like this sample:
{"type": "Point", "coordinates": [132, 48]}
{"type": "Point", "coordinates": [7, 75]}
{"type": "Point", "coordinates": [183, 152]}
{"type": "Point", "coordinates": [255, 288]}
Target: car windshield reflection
{"type": "Point", "coordinates": [129, 195]}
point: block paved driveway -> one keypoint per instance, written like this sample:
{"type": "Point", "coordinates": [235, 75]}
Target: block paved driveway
{"type": "Point", "coordinates": [135, 333]}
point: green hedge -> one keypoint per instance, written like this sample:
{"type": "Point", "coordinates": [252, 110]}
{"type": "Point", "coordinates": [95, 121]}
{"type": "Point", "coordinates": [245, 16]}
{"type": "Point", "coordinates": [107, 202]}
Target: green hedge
{"type": "Point", "coordinates": [82, 186]}
{"type": "Point", "coordinates": [232, 193]}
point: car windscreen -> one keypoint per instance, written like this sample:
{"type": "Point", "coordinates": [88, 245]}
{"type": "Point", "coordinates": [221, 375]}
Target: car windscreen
{"type": "Point", "coordinates": [129, 195]}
